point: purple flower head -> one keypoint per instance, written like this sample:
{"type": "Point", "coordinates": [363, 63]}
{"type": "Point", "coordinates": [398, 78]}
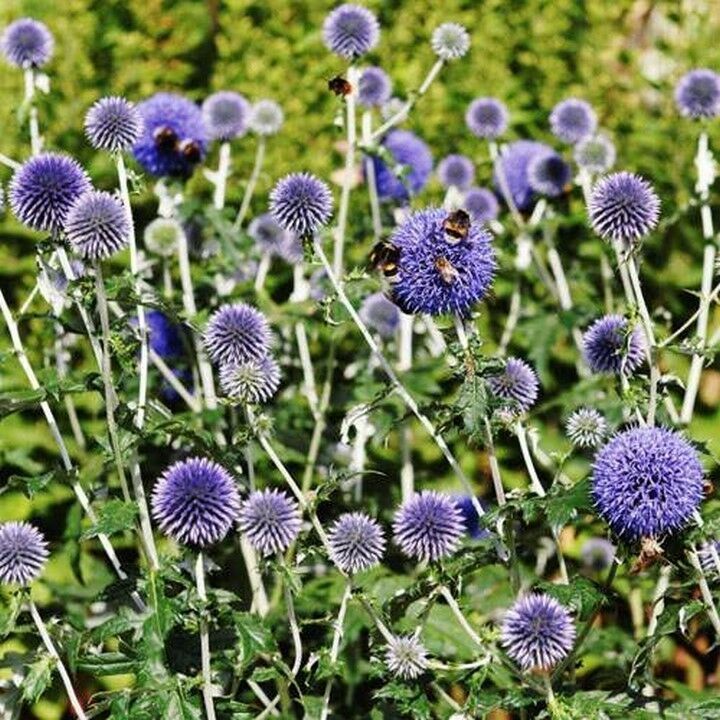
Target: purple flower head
{"type": "Point", "coordinates": [357, 542]}
{"type": "Point", "coordinates": [252, 381]}
{"type": "Point", "coordinates": [350, 31]}
{"type": "Point", "coordinates": [406, 656]}
{"type": "Point", "coordinates": [514, 163]}
{"type": "Point", "coordinates": [437, 274]}
{"type": "Point", "coordinates": [595, 154]}
{"type": "Point", "coordinates": [450, 41]}
{"type": "Point", "coordinates": [270, 520]}
{"type": "Point", "coordinates": [237, 333]}
{"type": "Point", "coordinates": [164, 336]}
{"type": "Point", "coordinates": [597, 554]}
{"type": "Point", "coordinates": [481, 204]}
{"type": "Point", "coordinates": [113, 124]}
{"type": "Point", "coordinates": [537, 632]}
{"type": "Point", "coordinates": [709, 557]}
{"type": "Point", "coordinates": [274, 240]}
{"type": "Point", "coordinates": [573, 120]}
{"type": "Point", "coordinates": [374, 87]}
{"type": "Point", "coordinates": [647, 482]}
{"type": "Point", "coordinates": [226, 115]}
{"type": "Point", "coordinates": [428, 526]}
{"type": "Point", "coordinates": [470, 516]}
{"type": "Point", "coordinates": [174, 138]}
{"type": "Point", "coordinates": [548, 174]}
{"type": "Point", "coordinates": [487, 117]}
{"type": "Point", "coordinates": [698, 94]}
{"type": "Point", "coordinates": [23, 553]}
{"type": "Point", "coordinates": [44, 188]}
{"type": "Point", "coordinates": [380, 315]}
{"type": "Point", "coordinates": [456, 170]}
{"type": "Point", "coordinates": [195, 502]}
{"type": "Point", "coordinates": [27, 43]}
{"type": "Point", "coordinates": [623, 206]}
{"type": "Point", "coordinates": [97, 225]}
{"type": "Point", "coordinates": [586, 427]}
{"type": "Point", "coordinates": [611, 347]}
{"type": "Point", "coordinates": [301, 203]}
{"type": "Point", "coordinates": [411, 156]}
{"type": "Point", "coordinates": [266, 117]}
{"type": "Point", "coordinates": [517, 383]}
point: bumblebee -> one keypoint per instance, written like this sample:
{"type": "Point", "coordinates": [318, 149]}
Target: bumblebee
{"type": "Point", "coordinates": [650, 552]}
{"type": "Point", "coordinates": [447, 270]}
{"type": "Point", "coordinates": [190, 150]}
{"type": "Point", "coordinates": [385, 256]}
{"type": "Point", "coordinates": [340, 86]}
{"type": "Point", "coordinates": [456, 226]}
{"type": "Point", "coordinates": [165, 138]}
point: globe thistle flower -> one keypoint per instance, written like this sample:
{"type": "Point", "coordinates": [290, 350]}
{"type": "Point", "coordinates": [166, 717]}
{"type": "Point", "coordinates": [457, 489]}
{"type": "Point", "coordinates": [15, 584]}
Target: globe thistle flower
{"type": "Point", "coordinates": [707, 554]}
{"type": "Point", "coordinates": [266, 117]}
{"type": "Point", "coordinates": [597, 554]}
{"type": "Point", "coordinates": [356, 541]}
{"type": "Point", "coordinates": [162, 236]}
{"type": "Point", "coordinates": [573, 120]}
{"type": "Point", "coordinates": [164, 336]}
{"type": "Point", "coordinates": [374, 87]}
{"type": "Point", "coordinates": [457, 171]}
{"type": "Point", "coordinates": [481, 204]}
{"type": "Point", "coordinates": [226, 115]}
{"type": "Point", "coordinates": [406, 656]}
{"type": "Point", "coordinates": [647, 482]}
{"type": "Point", "coordinates": [113, 124]}
{"type": "Point", "coordinates": [237, 333]}
{"type": "Point", "coordinates": [23, 553]}
{"type": "Point", "coordinates": [470, 516]}
{"type": "Point", "coordinates": [595, 154]}
{"type": "Point", "coordinates": [252, 381]}
{"type": "Point", "coordinates": [270, 520]}
{"type": "Point", "coordinates": [409, 151]}
{"type": "Point", "coordinates": [301, 203]}
{"type": "Point", "coordinates": [97, 225]}
{"type": "Point", "coordinates": [610, 346]}
{"type": "Point", "coordinates": [195, 502]}
{"type": "Point", "coordinates": [537, 632]}
{"type": "Point", "coordinates": [274, 240]}
{"type": "Point", "coordinates": [450, 41]}
{"type": "Point", "coordinates": [517, 383]}
{"type": "Point", "coordinates": [487, 117]}
{"type": "Point", "coordinates": [174, 139]}
{"type": "Point", "coordinates": [428, 526]}
{"type": "Point", "coordinates": [586, 427]}
{"type": "Point", "coordinates": [351, 31]}
{"type": "Point", "coordinates": [623, 207]}
{"type": "Point", "coordinates": [380, 315]}
{"type": "Point", "coordinates": [436, 274]}
{"type": "Point", "coordinates": [27, 43]}
{"type": "Point", "coordinates": [514, 163]}
{"type": "Point", "coordinates": [697, 94]}
{"type": "Point", "coordinates": [44, 188]}
{"type": "Point", "coordinates": [548, 174]}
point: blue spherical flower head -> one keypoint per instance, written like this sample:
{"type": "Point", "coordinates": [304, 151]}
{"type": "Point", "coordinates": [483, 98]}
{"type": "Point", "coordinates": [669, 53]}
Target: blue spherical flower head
{"type": "Point", "coordinates": [412, 156]}
{"type": "Point", "coordinates": [586, 427]}
{"type": "Point", "coordinates": [456, 171]}
{"type": "Point", "coordinates": [27, 43]}
{"type": "Point", "coordinates": [237, 333]}
{"type": "Point", "coordinates": [23, 553]}
{"type": "Point", "coordinates": [573, 120]}
{"type": "Point", "coordinates": [624, 207]}
{"type": "Point", "coordinates": [549, 174]}
{"type": "Point", "coordinates": [97, 225]}
{"type": "Point", "coordinates": [351, 31]}
{"type": "Point", "coordinates": [595, 154]}
{"type": "Point", "coordinates": [698, 94]}
{"type": "Point", "coordinates": [356, 541]}
{"type": "Point", "coordinates": [301, 203]}
{"type": "Point", "coordinates": [428, 526]}
{"type": "Point", "coordinates": [518, 383]}
{"type": "Point", "coordinates": [164, 336]}
{"type": "Point", "coordinates": [274, 240]}
{"type": "Point", "coordinates": [113, 124]}
{"type": "Point", "coordinates": [195, 502]}
{"type": "Point", "coordinates": [450, 41]}
{"type": "Point", "coordinates": [597, 554]}
{"type": "Point", "coordinates": [380, 315]}
{"type": "Point", "coordinates": [270, 520]}
{"type": "Point", "coordinates": [470, 517]}
{"type": "Point", "coordinates": [481, 204]}
{"type": "Point", "coordinates": [226, 115]}
{"type": "Point", "coordinates": [513, 164]}
{"type": "Point", "coordinates": [266, 117]}
{"type": "Point", "coordinates": [610, 346]}
{"type": "Point", "coordinates": [538, 632]}
{"type": "Point", "coordinates": [487, 117]}
{"type": "Point", "coordinates": [437, 275]}
{"type": "Point", "coordinates": [374, 87]}
{"type": "Point", "coordinates": [406, 657]}
{"type": "Point", "coordinates": [174, 138]}
{"type": "Point", "coordinates": [251, 381]}
{"type": "Point", "coordinates": [647, 482]}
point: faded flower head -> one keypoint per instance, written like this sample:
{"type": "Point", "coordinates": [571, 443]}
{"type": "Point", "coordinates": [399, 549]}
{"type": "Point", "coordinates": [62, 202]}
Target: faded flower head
{"type": "Point", "coordinates": [226, 115]}
{"type": "Point", "coordinates": [481, 204]}
{"type": "Point", "coordinates": [595, 154]}
{"type": "Point", "coordinates": [357, 542]}
{"type": "Point", "coordinates": [450, 41]}
{"type": "Point", "coordinates": [272, 239]}
{"type": "Point", "coordinates": [517, 383]}
{"type": "Point", "coordinates": [597, 554]}
{"type": "Point", "coordinates": [457, 171]}
{"type": "Point", "coordinates": [97, 225]}
{"type": "Point", "coordinates": [548, 174]}
{"type": "Point", "coordinates": [586, 428]}
{"type": "Point", "coordinates": [27, 43]}
{"type": "Point", "coordinates": [237, 333]}
{"type": "Point", "coordinates": [252, 381]}
{"type": "Point", "coordinates": [514, 162]}
{"type": "Point", "coordinates": [573, 120]}
{"type": "Point", "coordinates": [270, 520]}
{"type": "Point", "coordinates": [301, 203]}
{"type": "Point", "coordinates": [113, 124]}
{"type": "Point", "coordinates": [697, 94]}
{"type": "Point", "coordinates": [23, 553]}
{"type": "Point", "coordinates": [406, 656]}
{"type": "Point", "coordinates": [611, 346]}
{"type": "Point", "coordinates": [162, 236]}
{"type": "Point", "coordinates": [413, 165]}
{"type": "Point", "coordinates": [374, 87]}
{"type": "Point", "coordinates": [391, 108]}
{"type": "Point", "coordinates": [470, 516]}
{"type": "Point", "coordinates": [350, 31]}
{"type": "Point", "coordinates": [380, 314]}
{"type": "Point", "coordinates": [266, 117]}
{"type": "Point", "coordinates": [487, 117]}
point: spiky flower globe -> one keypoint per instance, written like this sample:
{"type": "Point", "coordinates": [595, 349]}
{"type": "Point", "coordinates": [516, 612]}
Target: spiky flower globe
{"type": "Point", "coordinates": [487, 117]}
{"type": "Point", "coordinates": [380, 315]}
{"type": "Point", "coordinates": [709, 557]}
{"type": "Point", "coordinates": [450, 41]}
{"type": "Point", "coordinates": [44, 188]}
{"type": "Point", "coordinates": [623, 207]}
{"type": "Point", "coordinates": [586, 428]}
{"type": "Point", "coordinates": [164, 336]}
{"type": "Point", "coordinates": [113, 124]}
{"type": "Point", "coordinates": [697, 94]}
{"type": "Point", "coordinates": [456, 171]}
{"type": "Point", "coordinates": [270, 520]}
{"type": "Point", "coordinates": [301, 203]}
{"type": "Point", "coordinates": [428, 526]}
{"type": "Point", "coordinates": [237, 333]}
{"type": "Point", "coordinates": [518, 383]}
{"type": "Point", "coordinates": [437, 274]}
{"type": "Point", "coordinates": [23, 553]}
{"type": "Point", "coordinates": [351, 31]}
{"type": "Point", "coordinates": [406, 656]}
{"type": "Point", "coordinates": [357, 542]}
{"type": "Point", "coordinates": [274, 240]}
{"type": "Point", "coordinates": [413, 165]}
{"type": "Point", "coordinates": [514, 162]}
{"type": "Point", "coordinates": [266, 117]}
{"type": "Point", "coordinates": [595, 154]}
{"type": "Point", "coordinates": [195, 502]}
{"type": "Point", "coordinates": [647, 482]}
{"type": "Point", "coordinates": [27, 43]}
{"type": "Point", "coordinates": [97, 225]}
{"type": "Point", "coordinates": [226, 115]}
{"type": "Point", "coordinates": [597, 554]}
{"type": "Point", "coordinates": [162, 236]}
{"type": "Point", "coordinates": [611, 346]}
{"type": "Point", "coordinates": [481, 204]}
{"type": "Point", "coordinates": [252, 381]}
{"type": "Point", "coordinates": [374, 87]}
{"type": "Point", "coordinates": [537, 632]}
{"type": "Point", "coordinates": [471, 519]}
{"type": "Point", "coordinates": [573, 120]}
{"type": "Point", "coordinates": [549, 174]}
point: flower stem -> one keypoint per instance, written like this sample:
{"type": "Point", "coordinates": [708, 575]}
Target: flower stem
{"type": "Point", "coordinates": [370, 179]}
{"type": "Point", "coordinates": [252, 182]}
{"type": "Point", "coordinates": [705, 590]}
{"type": "Point", "coordinates": [335, 647]}
{"type": "Point", "coordinates": [35, 139]}
{"type": "Point", "coordinates": [405, 350]}
{"type": "Point", "coordinates": [462, 620]}
{"type": "Point", "coordinates": [204, 640]}
{"type": "Point", "coordinates": [221, 175]}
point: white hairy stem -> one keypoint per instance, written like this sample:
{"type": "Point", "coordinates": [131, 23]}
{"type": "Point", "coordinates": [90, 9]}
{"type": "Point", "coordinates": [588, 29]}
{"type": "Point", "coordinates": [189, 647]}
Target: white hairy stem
{"type": "Point", "coordinates": [204, 641]}
{"type": "Point", "coordinates": [262, 272]}
{"type": "Point", "coordinates": [252, 182]}
{"type": "Point", "coordinates": [257, 587]}
{"type": "Point", "coordinates": [35, 139]}
{"type": "Point", "coordinates": [370, 179]}
{"type": "Point", "coordinates": [705, 590]}
{"type": "Point", "coordinates": [405, 352]}
{"type": "Point", "coordinates": [462, 620]}
{"type": "Point", "coordinates": [220, 176]}
{"type": "Point", "coordinates": [335, 646]}
{"type": "Point", "coordinates": [661, 588]}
